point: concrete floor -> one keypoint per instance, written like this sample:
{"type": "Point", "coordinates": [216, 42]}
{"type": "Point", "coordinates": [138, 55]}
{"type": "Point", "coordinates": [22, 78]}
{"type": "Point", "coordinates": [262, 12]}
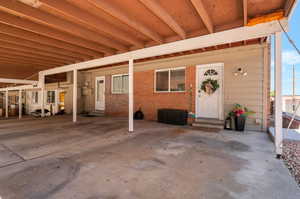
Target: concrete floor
{"type": "Point", "coordinates": [97, 159]}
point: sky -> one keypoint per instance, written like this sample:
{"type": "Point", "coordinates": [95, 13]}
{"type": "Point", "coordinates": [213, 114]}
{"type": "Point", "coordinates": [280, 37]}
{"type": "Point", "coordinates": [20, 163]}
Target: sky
{"type": "Point", "coordinates": [290, 56]}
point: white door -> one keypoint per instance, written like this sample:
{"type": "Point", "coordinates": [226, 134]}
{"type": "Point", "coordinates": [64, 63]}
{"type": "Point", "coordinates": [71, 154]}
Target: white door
{"type": "Point", "coordinates": [100, 93]}
{"type": "Point", "coordinates": [209, 103]}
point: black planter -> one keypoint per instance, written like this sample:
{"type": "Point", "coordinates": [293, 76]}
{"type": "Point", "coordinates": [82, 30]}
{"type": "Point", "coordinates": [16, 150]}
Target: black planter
{"type": "Point", "coordinates": [240, 123]}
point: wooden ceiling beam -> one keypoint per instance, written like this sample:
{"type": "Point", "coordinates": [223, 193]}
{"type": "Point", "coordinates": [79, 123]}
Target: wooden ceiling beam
{"type": "Point", "coordinates": [61, 24]}
{"type": "Point", "coordinates": [245, 12]}
{"type": "Point", "coordinates": [4, 66]}
{"type": "Point", "coordinates": [18, 72]}
{"type": "Point", "coordinates": [32, 55]}
{"type": "Point", "coordinates": [130, 21]}
{"type": "Point", "coordinates": [15, 55]}
{"type": "Point", "coordinates": [39, 47]}
{"type": "Point", "coordinates": [160, 12]}
{"type": "Point", "coordinates": [235, 24]}
{"type": "Point", "coordinates": [40, 53]}
{"type": "Point", "coordinates": [52, 33]}
{"type": "Point", "coordinates": [8, 60]}
{"type": "Point", "coordinates": [92, 20]}
{"type": "Point", "coordinates": [202, 12]}
{"type": "Point", "coordinates": [16, 59]}
{"type": "Point", "coordinates": [43, 40]}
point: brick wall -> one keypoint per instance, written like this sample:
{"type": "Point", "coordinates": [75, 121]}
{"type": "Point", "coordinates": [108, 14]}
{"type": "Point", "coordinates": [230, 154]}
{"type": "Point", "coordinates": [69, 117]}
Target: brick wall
{"type": "Point", "coordinates": [150, 102]}
{"type": "Point", "coordinates": [115, 104]}
{"type": "Point", "coordinates": [147, 99]}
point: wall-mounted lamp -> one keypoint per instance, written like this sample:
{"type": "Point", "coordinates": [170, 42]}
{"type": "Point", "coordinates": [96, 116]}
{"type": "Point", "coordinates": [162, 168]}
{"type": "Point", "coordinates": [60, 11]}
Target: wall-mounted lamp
{"type": "Point", "coordinates": [240, 72]}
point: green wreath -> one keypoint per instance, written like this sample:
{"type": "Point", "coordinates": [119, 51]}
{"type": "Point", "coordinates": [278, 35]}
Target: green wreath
{"type": "Point", "coordinates": [210, 83]}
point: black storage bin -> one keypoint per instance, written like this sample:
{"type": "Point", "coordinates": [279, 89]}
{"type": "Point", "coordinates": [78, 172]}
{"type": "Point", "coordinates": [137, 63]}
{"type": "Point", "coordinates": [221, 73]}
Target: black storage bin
{"type": "Point", "coordinates": [172, 116]}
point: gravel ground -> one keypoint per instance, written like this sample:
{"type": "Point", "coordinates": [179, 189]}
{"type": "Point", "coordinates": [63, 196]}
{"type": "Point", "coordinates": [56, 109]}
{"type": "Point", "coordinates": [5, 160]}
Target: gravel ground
{"type": "Point", "coordinates": [291, 157]}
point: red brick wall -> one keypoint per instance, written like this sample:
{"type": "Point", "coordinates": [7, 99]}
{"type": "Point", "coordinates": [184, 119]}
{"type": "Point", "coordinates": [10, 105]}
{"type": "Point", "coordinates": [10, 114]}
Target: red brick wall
{"type": "Point", "coordinates": [115, 104]}
{"type": "Point", "coordinates": [147, 99]}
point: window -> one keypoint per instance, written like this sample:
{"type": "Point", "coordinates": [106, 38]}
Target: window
{"type": "Point", "coordinates": [51, 97]}
{"type": "Point", "coordinates": [35, 97]}
{"type": "Point", "coordinates": [120, 83]}
{"type": "Point", "coordinates": [170, 80]}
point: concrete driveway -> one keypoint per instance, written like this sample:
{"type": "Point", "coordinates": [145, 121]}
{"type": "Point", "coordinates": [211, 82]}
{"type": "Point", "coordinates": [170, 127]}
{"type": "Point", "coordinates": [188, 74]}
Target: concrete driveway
{"type": "Point", "coordinates": [97, 159]}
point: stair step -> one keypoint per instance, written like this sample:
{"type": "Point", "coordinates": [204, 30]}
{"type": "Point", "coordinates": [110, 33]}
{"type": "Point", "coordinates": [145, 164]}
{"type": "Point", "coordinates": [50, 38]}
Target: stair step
{"type": "Point", "coordinates": [213, 126]}
{"type": "Point", "coordinates": [209, 121]}
{"type": "Point", "coordinates": [96, 113]}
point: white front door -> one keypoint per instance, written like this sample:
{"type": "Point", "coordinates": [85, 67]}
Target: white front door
{"type": "Point", "coordinates": [209, 104]}
{"type": "Point", "coordinates": [100, 93]}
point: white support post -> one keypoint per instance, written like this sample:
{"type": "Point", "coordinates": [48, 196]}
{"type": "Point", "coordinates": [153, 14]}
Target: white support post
{"type": "Point", "coordinates": [20, 104]}
{"type": "Point", "coordinates": [278, 97]}
{"type": "Point", "coordinates": [42, 85]}
{"type": "Point", "coordinates": [75, 95]}
{"type": "Point", "coordinates": [6, 104]}
{"type": "Point", "coordinates": [130, 95]}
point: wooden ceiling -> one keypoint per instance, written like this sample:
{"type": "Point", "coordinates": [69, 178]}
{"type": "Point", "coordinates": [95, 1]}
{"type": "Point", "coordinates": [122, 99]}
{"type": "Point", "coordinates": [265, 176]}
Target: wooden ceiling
{"type": "Point", "coordinates": [42, 34]}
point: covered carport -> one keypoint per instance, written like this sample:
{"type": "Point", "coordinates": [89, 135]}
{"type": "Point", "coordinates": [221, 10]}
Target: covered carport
{"type": "Point", "coordinates": [55, 158]}
{"type": "Point", "coordinates": [66, 33]}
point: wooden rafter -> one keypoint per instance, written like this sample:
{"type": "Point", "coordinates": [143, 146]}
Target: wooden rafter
{"type": "Point", "coordinates": [60, 24]}
{"type": "Point", "coordinates": [8, 60]}
{"type": "Point", "coordinates": [41, 53]}
{"type": "Point", "coordinates": [245, 12]}
{"type": "Point", "coordinates": [159, 11]}
{"type": "Point", "coordinates": [122, 16]}
{"type": "Point", "coordinates": [34, 37]}
{"type": "Point", "coordinates": [18, 67]}
{"type": "Point", "coordinates": [198, 4]}
{"type": "Point", "coordinates": [20, 59]}
{"type": "Point", "coordinates": [91, 20]}
{"type": "Point", "coordinates": [34, 46]}
{"type": "Point", "coordinates": [56, 34]}
{"type": "Point", "coordinates": [235, 24]}
{"type": "Point", "coordinates": [17, 54]}
{"type": "Point", "coordinates": [9, 65]}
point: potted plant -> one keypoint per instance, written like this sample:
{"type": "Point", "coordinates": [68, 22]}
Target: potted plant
{"type": "Point", "coordinates": [239, 114]}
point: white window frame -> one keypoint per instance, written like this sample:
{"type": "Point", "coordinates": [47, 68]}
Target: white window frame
{"type": "Point", "coordinates": [169, 79]}
{"type": "Point", "coordinates": [33, 97]}
{"type": "Point", "coordinates": [112, 83]}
